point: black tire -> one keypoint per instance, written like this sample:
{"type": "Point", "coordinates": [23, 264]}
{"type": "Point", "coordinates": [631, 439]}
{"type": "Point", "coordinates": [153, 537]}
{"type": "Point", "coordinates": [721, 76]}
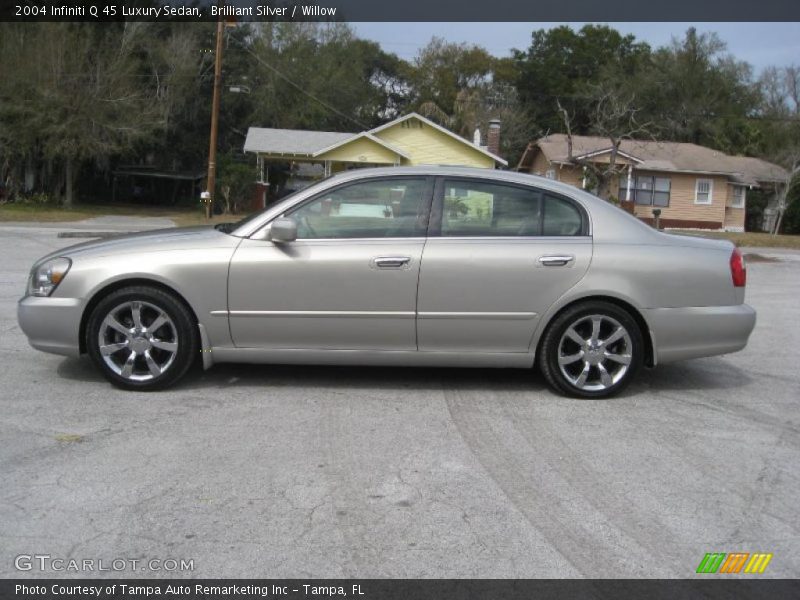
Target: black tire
{"type": "Point", "coordinates": [556, 342]}
{"type": "Point", "coordinates": [173, 345]}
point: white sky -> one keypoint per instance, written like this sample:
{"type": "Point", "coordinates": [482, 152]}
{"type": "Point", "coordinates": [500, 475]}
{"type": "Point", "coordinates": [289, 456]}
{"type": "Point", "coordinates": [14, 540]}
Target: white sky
{"type": "Point", "coordinates": [760, 44]}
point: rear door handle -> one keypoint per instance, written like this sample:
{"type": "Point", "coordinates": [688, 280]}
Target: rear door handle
{"type": "Point", "coordinates": [391, 262]}
{"type": "Point", "coordinates": [556, 260]}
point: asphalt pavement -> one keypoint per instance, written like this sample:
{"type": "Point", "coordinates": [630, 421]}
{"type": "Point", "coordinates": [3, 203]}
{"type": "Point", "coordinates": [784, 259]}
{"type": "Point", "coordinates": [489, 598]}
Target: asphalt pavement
{"type": "Point", "coordinates": [274, 471]}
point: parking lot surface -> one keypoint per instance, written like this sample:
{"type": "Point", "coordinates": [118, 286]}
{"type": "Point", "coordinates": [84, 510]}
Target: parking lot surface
{"type": "Point", "coordinates": [274, 471]}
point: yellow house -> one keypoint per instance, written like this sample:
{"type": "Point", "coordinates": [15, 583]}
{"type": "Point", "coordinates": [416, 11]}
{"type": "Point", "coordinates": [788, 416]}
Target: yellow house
{"type": "Point", "coordinates": [409, 140]}
{"type": "Point", "coordinates": [693, 186]}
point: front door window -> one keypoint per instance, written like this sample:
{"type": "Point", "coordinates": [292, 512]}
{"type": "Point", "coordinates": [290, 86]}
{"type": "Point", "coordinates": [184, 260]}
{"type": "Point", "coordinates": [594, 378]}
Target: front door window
{"type": "Point", "coordinates": [380, 208]}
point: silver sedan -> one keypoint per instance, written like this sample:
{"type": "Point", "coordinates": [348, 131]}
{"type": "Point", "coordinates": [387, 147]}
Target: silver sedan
{"type": "Point", "coordinates": [433, 266]}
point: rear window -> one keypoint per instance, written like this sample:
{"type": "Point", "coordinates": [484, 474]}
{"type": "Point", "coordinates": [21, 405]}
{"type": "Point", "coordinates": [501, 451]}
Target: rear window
{"type": "Point", "coordinates": [560, 217]}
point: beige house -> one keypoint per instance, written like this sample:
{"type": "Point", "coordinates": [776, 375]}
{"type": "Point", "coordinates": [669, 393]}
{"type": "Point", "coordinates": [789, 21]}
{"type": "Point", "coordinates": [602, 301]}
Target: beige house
{"type": "Point", "coordinates": [693, 186]}
{"type": "Point", "coordinates": [408, 140]}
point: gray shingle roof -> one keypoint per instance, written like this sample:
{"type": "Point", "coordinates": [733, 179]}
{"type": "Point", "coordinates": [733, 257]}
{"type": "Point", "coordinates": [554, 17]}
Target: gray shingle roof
{"type": "Point", "coordinates": [758, 169]}
{"type": "Point", "coordinates": [309, 143]}
{"type": "Point", "coordinates": [291, 141]}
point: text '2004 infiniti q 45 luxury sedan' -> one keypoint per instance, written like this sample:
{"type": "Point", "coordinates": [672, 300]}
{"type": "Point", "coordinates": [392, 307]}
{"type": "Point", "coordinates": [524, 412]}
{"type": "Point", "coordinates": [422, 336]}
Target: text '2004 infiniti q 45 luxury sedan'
{"type": "Point", "coordinates": [436, 266]}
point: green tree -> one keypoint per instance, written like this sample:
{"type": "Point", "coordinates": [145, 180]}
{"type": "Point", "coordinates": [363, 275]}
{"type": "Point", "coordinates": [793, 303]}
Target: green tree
{"type": "Point", "coordinates": [442, 71]}
{"type": "Point", "coordinates": [320, 76]}
{"type": "Point", "coordinates": [463, 87]}
{"type": "Point", "coordinates": [699, 93]}
{"type": "Point", "coordinates": [561, 65]}
{"type": "Point", "coordinates": [235, 182]}
{"type": "Point", "coordinates": [178, 62]}
{"type": "Point", "coordinates": [71, 94]}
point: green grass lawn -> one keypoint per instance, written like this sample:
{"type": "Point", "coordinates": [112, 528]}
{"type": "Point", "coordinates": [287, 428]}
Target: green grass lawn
{"type": "Point", "coordinates": [49, 214]}
{"type": "Point", "coordinates": [754, 240]}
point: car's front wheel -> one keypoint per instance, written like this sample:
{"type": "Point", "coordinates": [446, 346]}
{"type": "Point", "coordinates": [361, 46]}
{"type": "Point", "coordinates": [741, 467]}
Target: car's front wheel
{"type": "Point", "coordinates": [142, 338]}
{"type": "Point", "coordinates": [591, 350]}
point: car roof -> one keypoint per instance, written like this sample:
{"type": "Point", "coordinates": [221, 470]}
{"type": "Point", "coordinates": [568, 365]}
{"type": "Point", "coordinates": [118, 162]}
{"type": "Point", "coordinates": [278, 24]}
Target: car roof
{"type": "Point", "coordinates": [440, 170]}
{"type": "Point", "coordinates": [459, 171]}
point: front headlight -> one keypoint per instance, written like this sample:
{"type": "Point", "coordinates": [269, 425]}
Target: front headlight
{"type": "Point", "coordinates": [46, 276]}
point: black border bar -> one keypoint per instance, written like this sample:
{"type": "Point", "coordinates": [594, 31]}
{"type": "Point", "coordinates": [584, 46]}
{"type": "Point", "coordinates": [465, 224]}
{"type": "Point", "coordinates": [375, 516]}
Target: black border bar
{"type": "Point", "coordinates": [402, 589]}
{"type": "Point", "coordinates": [408, 10]}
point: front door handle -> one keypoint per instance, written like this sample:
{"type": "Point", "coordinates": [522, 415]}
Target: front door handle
{"type": "Point", "coordinates": [556, 260]}
{"type": "Point", "coordinates": [391, 262]}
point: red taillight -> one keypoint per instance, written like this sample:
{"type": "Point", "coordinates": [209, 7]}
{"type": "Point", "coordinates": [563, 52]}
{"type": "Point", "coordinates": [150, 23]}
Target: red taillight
{"type": "Point", "coordinates": [738, 269]}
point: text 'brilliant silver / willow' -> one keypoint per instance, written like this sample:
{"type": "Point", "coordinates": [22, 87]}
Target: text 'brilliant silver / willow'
{"type": "Point", "coordinates": [138, 341]}
{"type": "Point", "coordinates": [594, 353]}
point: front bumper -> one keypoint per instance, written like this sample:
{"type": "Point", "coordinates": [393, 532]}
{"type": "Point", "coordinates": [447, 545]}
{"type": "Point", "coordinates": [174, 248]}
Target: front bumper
{"type": "Point", "coordinates": [694, 332]}
{"type": "Point", "coordinates": [51, 324]}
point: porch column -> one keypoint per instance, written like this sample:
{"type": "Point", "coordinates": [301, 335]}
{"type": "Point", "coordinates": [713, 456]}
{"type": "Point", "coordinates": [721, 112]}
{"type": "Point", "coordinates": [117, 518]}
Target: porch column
{"type": "Point", "coordinates": [628, 188]}
{"type": "Point", "coordinates": [583, 183]}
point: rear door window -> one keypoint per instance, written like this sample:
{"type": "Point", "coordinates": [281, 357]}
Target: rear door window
{"type": "Point", "coordinates": [475, 208]}
{"type": "Point", "coordinates": [487, 209]}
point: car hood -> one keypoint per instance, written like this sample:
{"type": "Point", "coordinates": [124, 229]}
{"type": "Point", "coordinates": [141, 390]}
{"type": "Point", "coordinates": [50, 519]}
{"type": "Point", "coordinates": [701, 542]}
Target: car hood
{"type": "Point", "coordinates": [203, 236]}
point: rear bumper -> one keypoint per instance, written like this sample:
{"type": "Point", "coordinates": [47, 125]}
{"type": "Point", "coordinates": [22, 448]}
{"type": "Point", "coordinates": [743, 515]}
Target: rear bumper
{"type": "Point", "coordinates": [51, 324]}
{"type": "Point", "coordinates": [693, 332]}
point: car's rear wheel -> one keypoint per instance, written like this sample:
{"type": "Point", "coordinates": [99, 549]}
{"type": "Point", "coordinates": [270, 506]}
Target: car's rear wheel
{"type": "Point", "coordinates": [591, 350]}
{"type": "Point", "coordinates": [142, 338]}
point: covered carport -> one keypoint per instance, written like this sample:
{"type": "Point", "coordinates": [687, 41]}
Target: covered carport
{"type": "Point", "coordinates": [141, 184]}
{"type": "Point", "coordinates": [281, 152]}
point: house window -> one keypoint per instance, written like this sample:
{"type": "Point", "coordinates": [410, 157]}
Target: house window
{"type": "Point", "coordinates": [647, 190]}
{"type": "Point", "coordinates": [738, 196]}
{"type": "Point", "coordinates": [550, 173]}
{"type": "Point", "coordinates": [703, 191]}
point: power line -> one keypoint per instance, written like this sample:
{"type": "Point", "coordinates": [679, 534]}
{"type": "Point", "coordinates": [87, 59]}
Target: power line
{"type": "Point", "coordinates": [307, 93]}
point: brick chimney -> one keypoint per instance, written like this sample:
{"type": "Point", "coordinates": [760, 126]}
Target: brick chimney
{"type": "Point", "coordinates": [493, 137]}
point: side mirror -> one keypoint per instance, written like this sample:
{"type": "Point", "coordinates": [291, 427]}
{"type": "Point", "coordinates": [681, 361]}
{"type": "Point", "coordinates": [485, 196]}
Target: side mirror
{"type": "Point", "coordinates": [283, 229]}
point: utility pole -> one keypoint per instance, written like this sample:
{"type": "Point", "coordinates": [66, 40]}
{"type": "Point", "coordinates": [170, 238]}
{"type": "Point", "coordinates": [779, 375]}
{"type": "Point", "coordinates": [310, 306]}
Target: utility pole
{"type": "Point", "coordinates": [212, 147]}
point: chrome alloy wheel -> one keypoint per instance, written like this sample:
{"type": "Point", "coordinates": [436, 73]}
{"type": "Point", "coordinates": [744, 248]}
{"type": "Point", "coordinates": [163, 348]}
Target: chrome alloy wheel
{"type": "Point", "coordinates": [594, 352]}
{"type": "Point", "coordinates": [138, 340]}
